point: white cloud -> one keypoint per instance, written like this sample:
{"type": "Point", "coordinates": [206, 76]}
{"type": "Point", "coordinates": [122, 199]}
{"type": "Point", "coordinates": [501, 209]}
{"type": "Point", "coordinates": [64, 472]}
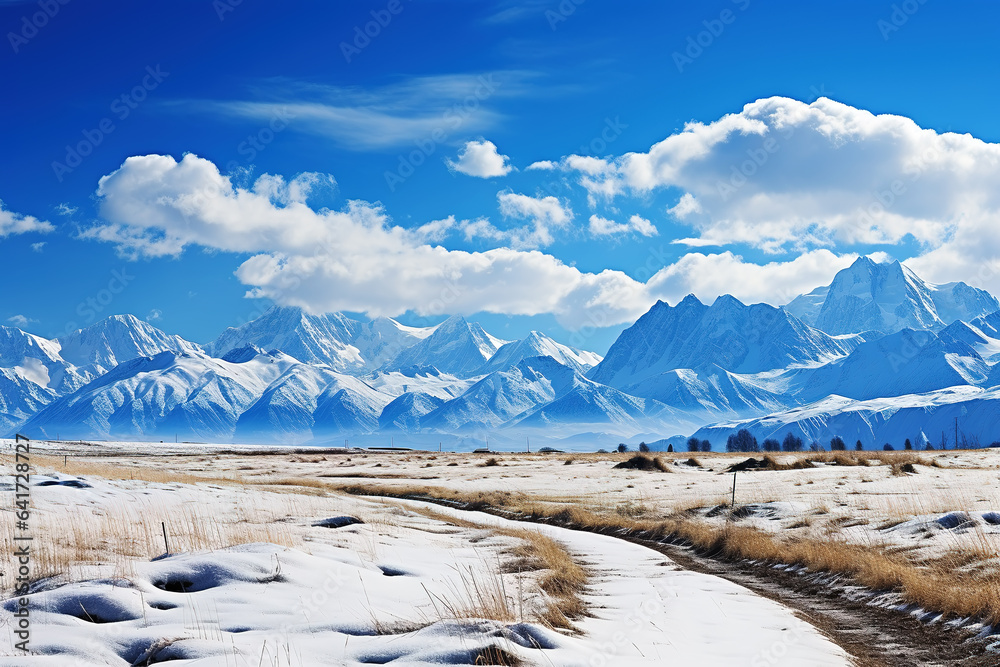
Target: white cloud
{"type": "Point", "coordinates": [685, 206]}
{"type": "Point", "coordinates": [784, 175]}
{"type": "Point", "coordinates": [65, 209]}
{"type": "Point", "coordinates": [14, 223]}
{"type": "Point", "coordinates": [480, 159]}
{"type": "Point", "coordinates": [353, 259]}
{"type": "Point", "coordinates": [154, 315]}
{"type": "Point", "coordinates": [356, 260]}
{"type": "Point", "coordinates": [603, 227]}
{"type": "Point", "coordinates": [643, 226]}
{"type": "Point", "coordinates": [435, 231]}
{"type": "Point", "coordinates": [21, 321]}
{"type": "Point", "coordinates": [37, 247]}
{"type": "Point", "coordinates": [545, 213]}
{"type": "Point", "coordinates": [482, 228]}
{"type": "Point", "coordinates": [542, 165]}
{"type": "Point", "coordinates": [710, 276]}
{"type": "Point", "coordinates": [426, 110]}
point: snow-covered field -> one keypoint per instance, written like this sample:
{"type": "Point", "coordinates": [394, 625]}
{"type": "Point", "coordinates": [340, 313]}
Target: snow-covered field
{"type": "Point", "coordinates": [251, 579]}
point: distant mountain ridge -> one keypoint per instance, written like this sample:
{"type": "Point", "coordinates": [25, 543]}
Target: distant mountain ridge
{"type": "Point", "coordinates": [877, 337]}
{"type": "Point", "coordinates": [728, 334]}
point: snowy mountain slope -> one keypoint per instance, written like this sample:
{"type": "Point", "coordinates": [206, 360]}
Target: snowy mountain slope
{"type": "Point", "coordinates": [116, 339]}
{"type": "Point", "coordinates": [406, 411]}
{"type": "Point", "coordinates": [312, 339]}
{"type": "Point", "coordinates": [37, 360]}
{"type": "Point", "coordinates": [20, 398]}
{"type": "Point", "coordinates": [676, 368]}
{"type": "Point", "coordinates": [503, 395]}
{"type": "Point", "coordinates": [167, 393]}
{"type": "Point", "coordinates": [426, 380]}
{"type": "Point", "coordinates": [887, 296]}
{"type": "Point", "coordinates": [333, 339]}
{"type": "Point", "coordinates": [456, 346]}
{"type": "Point", "coordinates": [537, 344]}
{"type": "Point", "coordinates": [382, 339]}
{"type": "Point", "coordinates": [918, 417]}
{"type": "Point", "coordinates": [728, 334]}
{"type": "Point", "coordinates": [711, 393]}
{"type": "Point", "coordinates": [348, 405]}
{"type": "Point", "coordinates": [807, 307]}
{"type": "Point", "coordinates": [589, 403]}
{"type": "Point", "coordinates": [305, 401]}
{"type": "Point", "coordinates": [539, 392]}
{"type": "Point", "coordinates": [905, 362]}
{"type": "Point", "coordinates": [270, 396]}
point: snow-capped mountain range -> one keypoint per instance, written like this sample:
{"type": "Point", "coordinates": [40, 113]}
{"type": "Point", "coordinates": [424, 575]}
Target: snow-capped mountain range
{"type": "Point", "coordinates": [879, 354]}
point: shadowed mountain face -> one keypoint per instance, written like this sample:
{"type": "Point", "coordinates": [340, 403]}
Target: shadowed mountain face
{"type": "Point", "coordinates": [728, 334]}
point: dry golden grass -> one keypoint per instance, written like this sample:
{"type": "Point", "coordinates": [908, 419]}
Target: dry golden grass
{"type": "Point", "coordinates": [563, 580]}
{"type": "Point", "coordinates": [118, 535]}
{"type": "Point", "coordinates": [933, 586]}
{"type": "Point", "coordinates": [476, 597]}
{"type": "Point", "coordinates": [84, 466]}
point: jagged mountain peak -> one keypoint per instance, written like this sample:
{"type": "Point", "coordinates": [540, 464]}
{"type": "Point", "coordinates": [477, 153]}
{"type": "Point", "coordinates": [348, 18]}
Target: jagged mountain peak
{"type": "Point", "coordinates": [729, 333]}
{"type": "Point", "coordinates": [537, 344]}
{"type": "Point", "coordinates": [456, 346]}
{"type": "Point", "coordinates": [882, 294]}
{"type": "Point", "coordinates": [116, 339]}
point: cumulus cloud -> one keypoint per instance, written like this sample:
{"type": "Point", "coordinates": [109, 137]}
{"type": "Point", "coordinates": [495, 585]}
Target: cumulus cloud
{"type": "Point", "coordinates": [685, 206]}
{"type": "Point", "coordinates": [710, 276]}
{"type": "Point", "coordinates": [353, 259]}
{"type": "Point", "coordinates": [480, 159]}
{"type": "Point", "coordinates": [435, 231]}
{"type": "Point", "coordinates": [14, 223]}
{"type": "Point", "coordinates": [544, 213]}
{"type": "Point", "coordinates": [542, 165]}
{"type": "Point", "coordinates": [784, 175]}
{"type": "Point", "coordinates": [603, 227]}
{"type": "Point", "coordinates": [37, 247]}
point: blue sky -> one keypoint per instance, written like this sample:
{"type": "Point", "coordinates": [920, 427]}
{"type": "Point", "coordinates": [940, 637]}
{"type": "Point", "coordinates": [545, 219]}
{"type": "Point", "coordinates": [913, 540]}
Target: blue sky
{"type": "Point", "coordinates": [255, 89]}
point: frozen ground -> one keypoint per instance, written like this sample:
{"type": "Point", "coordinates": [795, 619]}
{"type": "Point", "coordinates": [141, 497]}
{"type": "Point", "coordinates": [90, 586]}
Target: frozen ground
{"type": "Point", "coordinates": [403, 587]}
